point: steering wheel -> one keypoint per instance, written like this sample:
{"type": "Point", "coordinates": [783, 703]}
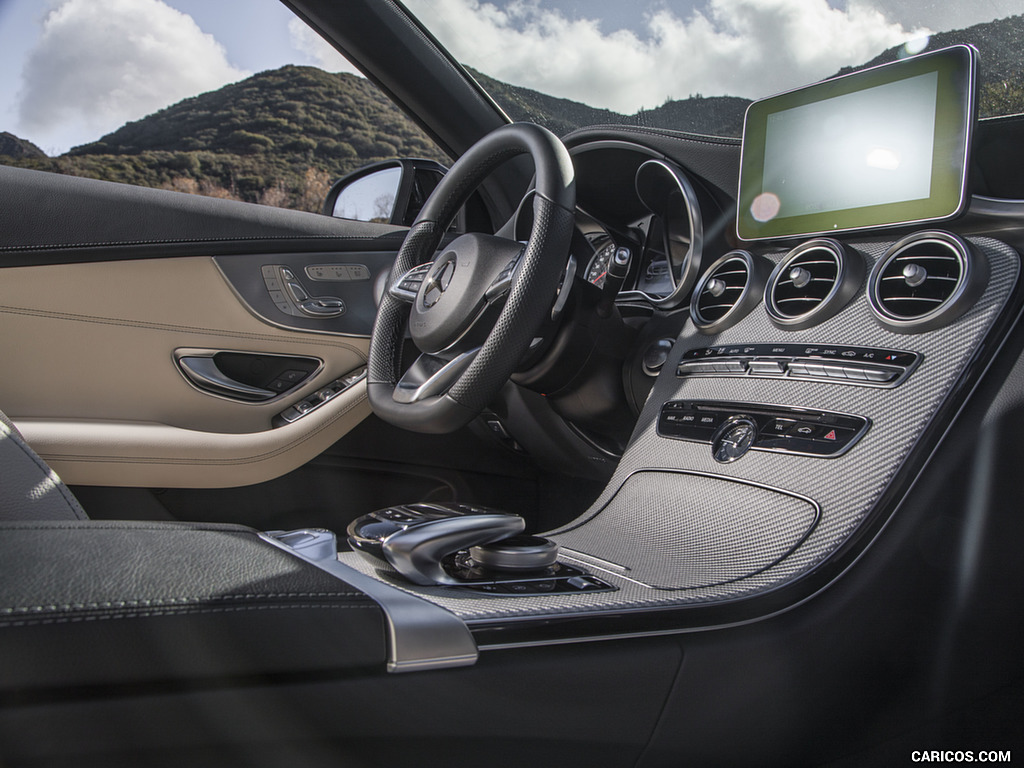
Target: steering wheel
{"type": "Point", "coordinates": [476, 307]}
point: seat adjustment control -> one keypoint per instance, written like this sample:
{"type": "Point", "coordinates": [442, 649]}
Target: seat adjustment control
{"type": "Point", "coordinates": [291, 297]}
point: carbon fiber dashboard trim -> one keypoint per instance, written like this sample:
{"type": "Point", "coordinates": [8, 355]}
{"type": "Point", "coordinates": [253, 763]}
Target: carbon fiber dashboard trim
{"type": "Point", "coordinates": [846, 489]}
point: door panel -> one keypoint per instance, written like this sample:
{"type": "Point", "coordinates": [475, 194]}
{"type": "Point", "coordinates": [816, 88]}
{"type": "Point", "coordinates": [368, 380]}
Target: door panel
{"type": "Point", "coordinates": [90, 345]}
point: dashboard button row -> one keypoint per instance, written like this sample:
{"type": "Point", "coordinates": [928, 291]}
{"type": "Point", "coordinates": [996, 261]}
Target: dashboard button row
{"type": "Point", "coordinates": [852, 365]}
{"type": "Point", "coordinates": [778, 429]}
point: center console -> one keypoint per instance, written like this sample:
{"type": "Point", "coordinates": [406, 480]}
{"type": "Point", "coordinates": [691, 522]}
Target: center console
{"type": "Point", "coordinates": [819, 368]}
{"type": "Point", "coordinates": [750, 481]}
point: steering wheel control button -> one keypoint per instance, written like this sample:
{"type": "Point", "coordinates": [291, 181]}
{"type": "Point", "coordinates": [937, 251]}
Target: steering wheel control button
{"type": "Point", "coordinates": [503, 281]}
{"type": "Point", "coordinates": [733, 439]}
{"type": "Point", "coordinates": [861, 366]}
{"type": "Point", "coordinates": [775, 429]}
{"type": "Point", "coordinates": [407, 287]}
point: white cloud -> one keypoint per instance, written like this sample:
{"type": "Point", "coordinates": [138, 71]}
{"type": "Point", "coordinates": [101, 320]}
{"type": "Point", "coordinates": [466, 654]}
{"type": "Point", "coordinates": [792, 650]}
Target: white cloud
{"type": "Point", "coordinates": [101, 63]}
{"type": "Point", "coordinates": [736, 47]}
{"type": "Point", "coordinates": [943, 17]}
{"type": "Point", "coordinates": [317, 50]}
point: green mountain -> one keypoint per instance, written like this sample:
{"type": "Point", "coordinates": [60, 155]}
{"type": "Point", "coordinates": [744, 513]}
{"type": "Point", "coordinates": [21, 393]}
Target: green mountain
{"type": "Point", "coordinates": [1000, 46]}
{"type": "Point", "coordinates": [717, 115]}
{"type": "Point", "coordinates": [281, 137]}
{"type": "Point", "coordinates": [14, 147]}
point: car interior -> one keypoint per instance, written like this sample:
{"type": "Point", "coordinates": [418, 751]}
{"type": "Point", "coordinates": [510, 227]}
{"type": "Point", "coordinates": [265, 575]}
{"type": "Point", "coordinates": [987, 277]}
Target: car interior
{"type": "Point", "coordinates": [624, 448]}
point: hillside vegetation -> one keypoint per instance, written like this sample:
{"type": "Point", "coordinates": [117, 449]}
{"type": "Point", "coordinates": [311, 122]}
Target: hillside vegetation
{"type": "Point", "coordinates": [281, 137]}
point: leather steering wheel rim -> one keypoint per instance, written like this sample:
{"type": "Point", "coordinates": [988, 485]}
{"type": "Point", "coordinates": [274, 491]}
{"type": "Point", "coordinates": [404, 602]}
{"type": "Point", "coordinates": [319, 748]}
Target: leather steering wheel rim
{"type": "Point", "coordinates": [529, 299]}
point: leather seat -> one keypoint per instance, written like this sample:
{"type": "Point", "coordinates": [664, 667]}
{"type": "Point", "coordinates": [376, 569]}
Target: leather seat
{"type": "Point", "coordinates": [106, 603]}
{"type": "Point", "coordinates": [31, 490]}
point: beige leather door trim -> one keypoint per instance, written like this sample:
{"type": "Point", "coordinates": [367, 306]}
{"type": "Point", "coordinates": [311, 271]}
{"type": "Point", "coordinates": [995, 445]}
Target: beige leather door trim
{"type": "Point", "coordinates": [151, 455]}
{"type": "Point", "coordinates": [90, 372]}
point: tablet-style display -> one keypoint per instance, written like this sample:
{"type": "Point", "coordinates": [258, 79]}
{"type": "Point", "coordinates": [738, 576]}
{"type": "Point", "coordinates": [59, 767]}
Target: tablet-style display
{"type": "Point", "coordinates": [882, 147]}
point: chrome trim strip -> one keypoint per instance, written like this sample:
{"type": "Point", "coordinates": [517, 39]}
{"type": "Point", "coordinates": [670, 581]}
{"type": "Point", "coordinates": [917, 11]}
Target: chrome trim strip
{"type": "Point", "coordinates": [597, 562]}
{"type": "Point", "coordinates": [412, 387]}
{"type": "Point", "coordinates": [420, 634]}
{"type": "Point", "coordinates": [691, 266]}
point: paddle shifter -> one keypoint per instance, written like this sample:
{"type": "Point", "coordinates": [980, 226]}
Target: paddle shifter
{"type": "Point", "coordinates": [462, 545]}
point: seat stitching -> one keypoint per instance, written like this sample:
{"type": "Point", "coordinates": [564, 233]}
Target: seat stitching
{"type": "Point", "coordinates": [150, 326]}
{"type": "Point", "coordinates": [205, 462]}
{"type": "Point", "coordinates": [170, 601]}
{"type": "Point", "coordinates": [173, 612]}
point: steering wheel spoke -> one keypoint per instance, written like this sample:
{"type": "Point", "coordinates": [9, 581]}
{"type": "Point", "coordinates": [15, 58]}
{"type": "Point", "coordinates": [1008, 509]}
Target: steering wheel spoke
{"type": "Point", "coordinates": [406, 288]}
{"type": "Point", "coordinates": [432, 375]}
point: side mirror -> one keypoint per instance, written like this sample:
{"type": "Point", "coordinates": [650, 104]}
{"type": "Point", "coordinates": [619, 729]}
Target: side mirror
{"type": "Point", "coordinates": [391, 192]}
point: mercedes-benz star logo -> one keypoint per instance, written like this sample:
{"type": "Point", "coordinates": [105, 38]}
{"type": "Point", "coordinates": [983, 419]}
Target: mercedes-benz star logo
{"type": "Point", "coordinates": [437, 284]}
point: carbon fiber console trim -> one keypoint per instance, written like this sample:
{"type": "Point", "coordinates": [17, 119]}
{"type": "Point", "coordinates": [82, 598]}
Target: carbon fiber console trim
{"type": "Point", "coordinates": [711, 531]}
{"type": "Point", "coordinates": [846, 489]}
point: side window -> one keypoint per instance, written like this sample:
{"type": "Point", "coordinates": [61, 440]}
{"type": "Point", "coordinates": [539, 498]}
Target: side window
{"type": "Point", "coordinates": [175, 94]}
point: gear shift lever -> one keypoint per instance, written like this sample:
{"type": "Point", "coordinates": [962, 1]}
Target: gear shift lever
{"type": "Point", "coordinates": [414, 538]}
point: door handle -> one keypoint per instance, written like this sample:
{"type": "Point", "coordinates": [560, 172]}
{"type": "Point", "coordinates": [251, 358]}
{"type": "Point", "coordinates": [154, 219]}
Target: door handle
{"type": "Point", "coordinates": [204, 373]}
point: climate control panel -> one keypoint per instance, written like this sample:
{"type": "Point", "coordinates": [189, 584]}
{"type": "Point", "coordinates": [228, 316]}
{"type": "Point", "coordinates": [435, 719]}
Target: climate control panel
{"type": "Point", "coordinates": [866, 366]}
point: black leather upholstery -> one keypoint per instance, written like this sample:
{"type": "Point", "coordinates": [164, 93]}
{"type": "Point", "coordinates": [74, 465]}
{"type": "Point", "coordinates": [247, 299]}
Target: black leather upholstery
{"type": "Point", "coordinates": [30, 489]}
{"type": "Point", "coordinates": [101, 603]}
{"type": "Point", "coordinates": [86, 602]}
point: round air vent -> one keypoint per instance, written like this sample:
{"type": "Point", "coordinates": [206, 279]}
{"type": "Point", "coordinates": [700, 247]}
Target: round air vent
{"type": "Point", "coordinates": [812, 283]}
{"type": "Point", "coordinates": [926, 280]}
{"type": "Point", "coordinates": [728, 291]}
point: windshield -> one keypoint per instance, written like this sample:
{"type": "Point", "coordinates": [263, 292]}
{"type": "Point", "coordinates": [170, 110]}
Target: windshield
{"type": "Point", "coordinates": [695, 65]}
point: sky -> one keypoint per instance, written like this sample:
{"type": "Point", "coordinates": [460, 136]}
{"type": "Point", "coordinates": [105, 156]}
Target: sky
{"type": "Point", "coordinates": [77, 69]}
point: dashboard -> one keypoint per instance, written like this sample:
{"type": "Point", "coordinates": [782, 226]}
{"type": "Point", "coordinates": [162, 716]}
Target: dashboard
{"type": "Point", "coordinates": [788, 389]}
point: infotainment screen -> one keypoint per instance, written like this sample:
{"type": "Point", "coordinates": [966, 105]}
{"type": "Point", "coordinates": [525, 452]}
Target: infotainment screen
{"type": "Point", "coordinates": [881, 147]}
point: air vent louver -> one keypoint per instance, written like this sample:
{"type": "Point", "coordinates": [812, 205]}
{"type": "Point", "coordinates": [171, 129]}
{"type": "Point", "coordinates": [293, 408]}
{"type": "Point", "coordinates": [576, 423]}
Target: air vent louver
{"type": "Point", "coordinates": [926, 280]}
{"type": "Point", "coordinates": [812, 283]}
{"type": "Point", "coordinates": [728, 291]}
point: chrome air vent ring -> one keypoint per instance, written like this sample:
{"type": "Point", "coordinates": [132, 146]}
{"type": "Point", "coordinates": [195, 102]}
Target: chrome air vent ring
{"type": "Point", "coordinates": [926, 280]}
{"type": "Point", "coordinates": [728, 291]}
{"type": "Point", "coordinates": [812, 283]}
